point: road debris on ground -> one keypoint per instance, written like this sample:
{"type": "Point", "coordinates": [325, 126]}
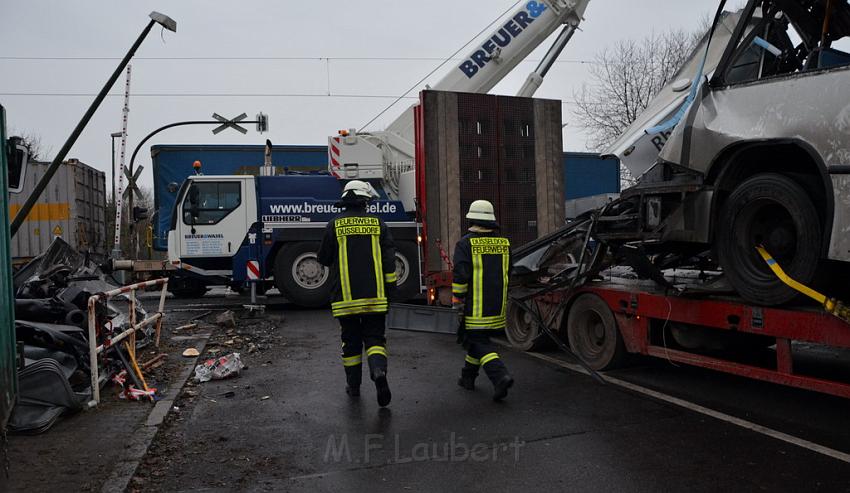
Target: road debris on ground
{"type": "Point", "coordinates": [226, 320]}
{"type": "Point", "coordinates": [219, 368]}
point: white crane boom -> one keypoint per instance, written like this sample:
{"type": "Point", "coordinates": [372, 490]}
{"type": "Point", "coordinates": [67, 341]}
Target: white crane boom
{"type": "Point", "coordinates": [389, 153]}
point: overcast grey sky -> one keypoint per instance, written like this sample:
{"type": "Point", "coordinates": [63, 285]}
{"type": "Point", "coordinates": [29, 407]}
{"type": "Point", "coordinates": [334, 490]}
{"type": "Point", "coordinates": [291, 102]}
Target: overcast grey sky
{"type": "Point", "coordinates": [174, 71]}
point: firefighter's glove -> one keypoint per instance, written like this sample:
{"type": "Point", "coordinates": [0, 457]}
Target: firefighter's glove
{"type": "Point", "coordinates": [393, 295]}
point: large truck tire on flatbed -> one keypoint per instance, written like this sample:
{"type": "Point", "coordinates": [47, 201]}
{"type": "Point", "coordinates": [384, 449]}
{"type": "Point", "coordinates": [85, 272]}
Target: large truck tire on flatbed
{"type": "Point", "coordinates": [522, 330]}
{"type": "Point", "coordinates": [773, 211]}
{"type": "Point", "coordinates": [593, 333]}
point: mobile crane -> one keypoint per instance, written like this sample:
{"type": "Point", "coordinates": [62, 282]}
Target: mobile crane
{"type": "Point", "coordinates": [219, 223]}
{"type": "Point", "coordinates": [388, 155]}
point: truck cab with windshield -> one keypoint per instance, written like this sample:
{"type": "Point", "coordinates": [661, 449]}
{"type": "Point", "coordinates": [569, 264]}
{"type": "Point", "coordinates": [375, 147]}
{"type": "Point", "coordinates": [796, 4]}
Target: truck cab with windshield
{"type": "Point", "coordinates": [219, 223]}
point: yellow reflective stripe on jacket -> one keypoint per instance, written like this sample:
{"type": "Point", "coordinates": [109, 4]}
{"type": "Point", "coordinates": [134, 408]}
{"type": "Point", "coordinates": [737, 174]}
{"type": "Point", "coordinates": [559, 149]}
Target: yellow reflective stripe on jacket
{"type": "Point", "coordinates": [505, 268]}
{"type": "Point", "coordinates": [359, 311]}
{"type": "Point", "coordinates": [495, 322]}
{"type": "Point", "coordinates": [376, 350]}
{"type": "Point", "coordinates": [477, 286]}
{"type": "Point", "coordinates": [483, 320]}
{"type": "Point", "coordinates": [360, 302]}
{"type": "Point", "coordinates": [379, 269]}
{"type": "Point", "coordinates": [488, 358]}
{"type": "Point", "coordinates": [391, 277]}
{"type": "Point", "coordinates": [352, 360]}
{"type": "Point", "coordinates": [344, 281]}
{"type": "Point", "coordinates": [459, 288]}
{"type": "Point", "coordinates": [354, 307]}
{"type": "Point", "coordinates": [472, 361]}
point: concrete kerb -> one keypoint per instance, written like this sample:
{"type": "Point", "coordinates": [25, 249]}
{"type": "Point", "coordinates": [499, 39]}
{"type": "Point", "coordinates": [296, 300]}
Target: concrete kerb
{"type": "Point", "coordinates": [140, 441]}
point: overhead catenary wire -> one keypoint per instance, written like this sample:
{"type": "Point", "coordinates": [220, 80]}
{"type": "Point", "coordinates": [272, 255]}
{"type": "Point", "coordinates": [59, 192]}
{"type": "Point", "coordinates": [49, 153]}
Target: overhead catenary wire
{"type": "Point", "coordinates": [209, 94]}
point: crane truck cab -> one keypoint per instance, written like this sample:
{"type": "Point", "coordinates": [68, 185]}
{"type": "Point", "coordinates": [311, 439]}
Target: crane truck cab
{"type": "Point", "coordinates": [220, 223]}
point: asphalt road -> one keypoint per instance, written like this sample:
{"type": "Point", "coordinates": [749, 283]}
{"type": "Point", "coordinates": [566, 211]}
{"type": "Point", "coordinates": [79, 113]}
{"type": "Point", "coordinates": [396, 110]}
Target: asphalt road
{"type": "Point", "coordinates": [288, 426]}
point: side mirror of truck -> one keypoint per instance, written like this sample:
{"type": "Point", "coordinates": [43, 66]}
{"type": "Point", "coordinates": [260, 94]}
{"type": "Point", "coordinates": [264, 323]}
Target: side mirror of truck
{"type": "Point", "coordinates": [193, 202]}
{"type": "Point", "coordinates": [194, 211]}
{"type": "Point", "coordinates": [17, 157]}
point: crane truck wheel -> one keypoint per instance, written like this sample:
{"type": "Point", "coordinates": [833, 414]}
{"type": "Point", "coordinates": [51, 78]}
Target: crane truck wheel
{"type": "Point", "coordinates": [522, 330]}
{"type": "Point", "coordinates": [300, 277]}
{"type": "Point", "coordinates": [406, 262]}
{"type": "Point", "coordinates": [771, 210]}
{"type": "Point", "coordinates": [185, 288]}
{"type": "Point", "coordinates": [593, 333]}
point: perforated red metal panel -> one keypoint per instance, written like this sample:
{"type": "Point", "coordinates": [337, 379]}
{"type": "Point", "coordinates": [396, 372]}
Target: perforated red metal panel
{"type": "Point", "coordinates": [478, 140]}
{"type": "Point", "coordinates": [517, 160]}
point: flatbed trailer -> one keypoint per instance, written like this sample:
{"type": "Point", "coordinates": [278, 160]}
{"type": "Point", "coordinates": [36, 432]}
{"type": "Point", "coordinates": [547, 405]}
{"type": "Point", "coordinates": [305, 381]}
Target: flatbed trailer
{"type": "Point", "coordinates": [604, 320]}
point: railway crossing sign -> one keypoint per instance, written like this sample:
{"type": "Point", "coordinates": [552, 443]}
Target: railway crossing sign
{"type": "Point", "coordinates": [232, 123]}
{"type": "Point", "coordinates": [131, 181]}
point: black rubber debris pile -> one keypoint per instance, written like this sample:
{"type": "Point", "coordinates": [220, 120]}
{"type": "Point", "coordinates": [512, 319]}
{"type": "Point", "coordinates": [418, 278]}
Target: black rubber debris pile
{"type": "Point", "coordinates": [51, 306]}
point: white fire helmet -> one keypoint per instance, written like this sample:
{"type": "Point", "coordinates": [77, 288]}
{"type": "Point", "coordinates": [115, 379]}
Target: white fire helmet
{"type": "Point", "coordinates": [481, 210]}
{"type": "Point", "coordinates": [360, 189]}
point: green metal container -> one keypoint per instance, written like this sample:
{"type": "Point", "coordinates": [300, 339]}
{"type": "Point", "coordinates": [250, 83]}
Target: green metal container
{"type": "Point", "coordinates": [8, 368]}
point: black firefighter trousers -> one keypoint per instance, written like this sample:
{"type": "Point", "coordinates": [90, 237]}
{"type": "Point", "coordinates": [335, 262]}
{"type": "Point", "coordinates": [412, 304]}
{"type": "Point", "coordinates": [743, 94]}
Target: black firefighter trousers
{"type": "Point", "coordinates": [481, 352]}
{"type": "Point", "coordinates": [359, 332]}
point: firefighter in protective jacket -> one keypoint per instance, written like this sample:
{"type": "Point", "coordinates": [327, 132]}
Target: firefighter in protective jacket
{"type": "Point", "coordinates": [480, 290]}
{"type": "Point", "coordinates": [359, 249]}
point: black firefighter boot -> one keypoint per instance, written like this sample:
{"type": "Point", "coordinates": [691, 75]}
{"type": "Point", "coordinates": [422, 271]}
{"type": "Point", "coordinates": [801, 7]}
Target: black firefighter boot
{"type": "Point", "coordinates": [467, 376]}
{"type": "Point", "coordinates": [353, 378]}
{"type": "Point", "coordinates": [502, 380]}
{"type": "Point", "coordinates": [378, 371]}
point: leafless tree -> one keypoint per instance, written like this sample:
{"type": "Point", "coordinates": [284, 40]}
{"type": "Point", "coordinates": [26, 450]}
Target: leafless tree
{"type": "Point", "coordinates": [35, 149]}
{"type": "Point", "coordinates": [625, 78]}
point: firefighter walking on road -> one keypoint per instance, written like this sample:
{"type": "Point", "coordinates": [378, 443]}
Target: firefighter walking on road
{"type": "Point", "coordinates": [359, 250]}
{"type": "Point", "coordinates": [480, 291]}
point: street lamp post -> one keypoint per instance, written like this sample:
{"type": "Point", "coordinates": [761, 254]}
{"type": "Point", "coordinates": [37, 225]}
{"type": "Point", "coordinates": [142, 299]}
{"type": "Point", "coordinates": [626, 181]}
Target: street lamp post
{"type": "Point", "coordinates": [156, 18]}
